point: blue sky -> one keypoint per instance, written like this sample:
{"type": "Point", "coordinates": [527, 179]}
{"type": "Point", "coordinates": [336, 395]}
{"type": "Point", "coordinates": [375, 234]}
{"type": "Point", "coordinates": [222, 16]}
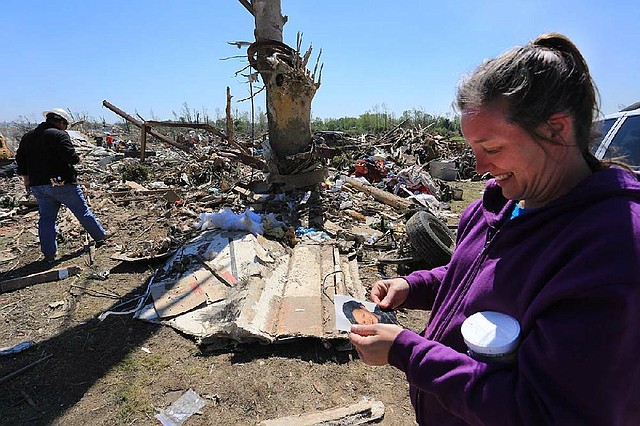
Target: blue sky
{"type": "Point", "coordinates": [152, 56]}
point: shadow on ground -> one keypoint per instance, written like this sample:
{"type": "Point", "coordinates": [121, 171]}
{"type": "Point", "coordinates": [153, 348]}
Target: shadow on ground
{"type": "Point", "coordinates": [78, 357]}
{"type": "Point", "coordinates": [81, 355]}
{"type": "Point", "coordinates": [304, 349]}
{"type": "Point", "coordinates": [39, 266]}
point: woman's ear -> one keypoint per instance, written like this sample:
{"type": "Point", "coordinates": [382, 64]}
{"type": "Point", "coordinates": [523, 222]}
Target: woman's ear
{"type": "Point", "coordinates": [559, 128]}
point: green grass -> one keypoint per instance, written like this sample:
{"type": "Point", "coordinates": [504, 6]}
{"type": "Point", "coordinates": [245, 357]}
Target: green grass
{"type": "Point", "coordinates": [134, 374]}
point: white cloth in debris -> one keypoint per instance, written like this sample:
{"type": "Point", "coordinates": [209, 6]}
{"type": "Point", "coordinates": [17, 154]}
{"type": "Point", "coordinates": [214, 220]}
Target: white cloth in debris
{"type": "Point", "coordinates": [414, 176]}
{"type": "Point", "coordinates": [229, 221]}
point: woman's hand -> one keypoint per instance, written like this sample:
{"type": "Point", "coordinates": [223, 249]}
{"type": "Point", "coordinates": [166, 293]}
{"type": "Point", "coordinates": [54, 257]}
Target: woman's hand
{"type": "Point", "coordinates": [389, 294]}
{"type": "Point", "coordinates": [373, 342]}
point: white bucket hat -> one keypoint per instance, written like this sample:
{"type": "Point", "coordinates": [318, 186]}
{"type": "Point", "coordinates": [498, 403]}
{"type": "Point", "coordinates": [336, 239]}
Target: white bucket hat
{"type": "Point", "coordinates": [60, 113]}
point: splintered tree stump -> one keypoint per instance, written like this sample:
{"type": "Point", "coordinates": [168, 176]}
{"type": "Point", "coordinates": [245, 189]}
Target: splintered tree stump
{"type": "Point", "coordinates": [290, 89]}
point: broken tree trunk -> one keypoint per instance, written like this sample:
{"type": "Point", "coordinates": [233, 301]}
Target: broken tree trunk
{"type": "Point", "coordinates": [290, 88]}
{"type": "Point", "coordinates": [386, 197]}
{"type": "Point", "coordinates": [269, 19]}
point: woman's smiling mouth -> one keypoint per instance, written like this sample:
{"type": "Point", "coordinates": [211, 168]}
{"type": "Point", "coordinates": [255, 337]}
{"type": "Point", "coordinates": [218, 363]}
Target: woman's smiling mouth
{"type": "Point", "coordinates": [503, 176]}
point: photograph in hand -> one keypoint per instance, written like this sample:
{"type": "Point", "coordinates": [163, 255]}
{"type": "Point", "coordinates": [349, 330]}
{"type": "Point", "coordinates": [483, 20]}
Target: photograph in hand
{"type": "Point", "coordinates": [353, 311]}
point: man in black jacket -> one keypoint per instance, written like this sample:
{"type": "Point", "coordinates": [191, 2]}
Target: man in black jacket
{"type": "Point", "coordinates": [45, 159]}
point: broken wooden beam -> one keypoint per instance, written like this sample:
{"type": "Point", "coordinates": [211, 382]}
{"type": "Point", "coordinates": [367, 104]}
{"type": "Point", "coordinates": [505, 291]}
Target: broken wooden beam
{"type": "Point", "coordinates": [139, 124]}
{"type": "Point", "coordinates": [204, 126]}
{"type": "Point", "coordinates": [23, 369]}
{"type": "Point", "coordinates": [228, 115]}
{"type": "Point", "coordinates": [40, 277]}
{"type": "Point", "coordinates": [249, 160]}
{"type": "Point", "coordinates": [144, 129]}
{"type": "Point", "coordinates": [364, 412]}
{"type": "Point", "coordinates": [379, 194]}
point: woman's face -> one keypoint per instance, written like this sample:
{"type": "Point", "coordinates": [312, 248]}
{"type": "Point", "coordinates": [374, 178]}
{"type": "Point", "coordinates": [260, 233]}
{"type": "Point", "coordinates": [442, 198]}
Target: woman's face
{"type": "Point", "coordinates": [519, 164]}
{"type": "Point", "coordinates": [363, 316]}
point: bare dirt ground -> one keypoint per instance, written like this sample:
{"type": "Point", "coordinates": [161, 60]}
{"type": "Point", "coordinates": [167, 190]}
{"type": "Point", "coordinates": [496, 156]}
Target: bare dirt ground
{"type": "Point", "coordinates": [123, 371]}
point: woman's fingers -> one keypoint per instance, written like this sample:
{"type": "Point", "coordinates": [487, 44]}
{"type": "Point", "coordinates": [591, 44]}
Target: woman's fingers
{"type": "Point", "coordinates": [373, 342]}
{"type": "Point", "coordinates": [389, 294]}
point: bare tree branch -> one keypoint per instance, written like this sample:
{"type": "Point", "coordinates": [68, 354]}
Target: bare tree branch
{"type": "Point", "coordinates": [239, 44]}
{"type": "Point", "coordinates": [253, 95]}
{"type": "Point", "coordinates": [247, 5]}
{"type": "Point", "coordinates": [233, 57]}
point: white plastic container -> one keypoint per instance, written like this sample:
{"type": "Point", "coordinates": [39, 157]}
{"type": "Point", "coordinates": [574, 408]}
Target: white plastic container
{"type": "Point", "coordinates": [491, 336]}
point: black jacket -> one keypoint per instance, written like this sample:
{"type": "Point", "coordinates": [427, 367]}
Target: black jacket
{"type": "Point", "coordinates": [47, 152]}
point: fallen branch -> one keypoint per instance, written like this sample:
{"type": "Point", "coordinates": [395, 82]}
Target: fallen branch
{"type": "Point", "coordinates": [23, 369]}
{"type": "Point", "coordinates": [247, 5]}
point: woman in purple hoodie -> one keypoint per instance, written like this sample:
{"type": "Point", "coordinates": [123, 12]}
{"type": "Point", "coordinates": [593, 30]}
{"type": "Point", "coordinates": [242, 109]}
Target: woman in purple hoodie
{"type": "Point", "coordinates": [553, 246]}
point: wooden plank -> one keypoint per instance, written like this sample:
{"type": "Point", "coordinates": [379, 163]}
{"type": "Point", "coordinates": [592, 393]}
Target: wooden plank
{"type": "Point", "coordinates": [139, 124]}
{"type": "Point", "coordinates": [40, 277]}
{"type": "Point", "coordinates": [301, 307]}
{"type": "Point", "coordinates": [361, 413]}
{"type": "Point", "coordinates": [143, 141]}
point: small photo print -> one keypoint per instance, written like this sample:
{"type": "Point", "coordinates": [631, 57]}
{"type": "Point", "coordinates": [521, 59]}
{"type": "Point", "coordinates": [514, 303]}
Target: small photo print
{"type": "Point", "coordinates": [353, 311]}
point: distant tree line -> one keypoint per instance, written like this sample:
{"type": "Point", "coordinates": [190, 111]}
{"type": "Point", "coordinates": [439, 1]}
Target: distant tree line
{"type": "Point", "coordinates": [380, 122]}
{"type": "Point", "coordinates": [376, 120]}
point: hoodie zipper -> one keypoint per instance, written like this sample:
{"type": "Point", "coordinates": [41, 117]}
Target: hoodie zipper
{"type": "Point", "coordinates": [491, 235]}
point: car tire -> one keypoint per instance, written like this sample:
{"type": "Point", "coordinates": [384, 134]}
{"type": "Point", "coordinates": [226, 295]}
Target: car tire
{"type": "Point", "coordinates": [430, 238]}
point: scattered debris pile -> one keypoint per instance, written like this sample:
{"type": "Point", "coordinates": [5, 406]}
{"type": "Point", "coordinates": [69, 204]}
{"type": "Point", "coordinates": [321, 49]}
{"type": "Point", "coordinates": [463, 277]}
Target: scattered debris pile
{"type": "Point", "coordinates": [274, 277]}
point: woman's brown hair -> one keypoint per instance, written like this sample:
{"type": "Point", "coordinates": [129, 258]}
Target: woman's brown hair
{"type": "Point", "coordinates": [546, 76]}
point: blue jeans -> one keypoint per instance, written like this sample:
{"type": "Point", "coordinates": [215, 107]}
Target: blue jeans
{"type": "Point", "coordinates": [50, 198]}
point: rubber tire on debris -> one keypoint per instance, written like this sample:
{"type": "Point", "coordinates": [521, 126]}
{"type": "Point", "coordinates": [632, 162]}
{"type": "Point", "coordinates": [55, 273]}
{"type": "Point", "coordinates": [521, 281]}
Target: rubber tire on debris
{"type": "Point", "coordinates": [430, 238]}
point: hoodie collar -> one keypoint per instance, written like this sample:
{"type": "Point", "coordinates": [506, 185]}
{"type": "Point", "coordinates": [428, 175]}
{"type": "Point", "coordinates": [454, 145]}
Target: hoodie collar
{"type": "Point", "coordinates": [607, 183]}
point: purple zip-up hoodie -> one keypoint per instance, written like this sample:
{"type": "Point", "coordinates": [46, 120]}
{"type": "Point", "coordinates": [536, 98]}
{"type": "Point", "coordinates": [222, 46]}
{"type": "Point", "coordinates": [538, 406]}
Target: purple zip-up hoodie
{"type": "Point", "coordinates": [569, 272]}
